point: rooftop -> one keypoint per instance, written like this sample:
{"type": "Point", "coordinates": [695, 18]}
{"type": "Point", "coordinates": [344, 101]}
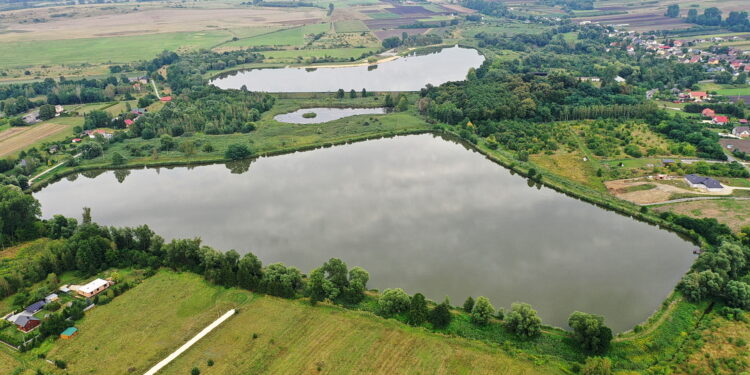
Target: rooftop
{"type": "Point", "coordinates": [705, 181]}
{"type": "Point", "coordinates": [93, 286]}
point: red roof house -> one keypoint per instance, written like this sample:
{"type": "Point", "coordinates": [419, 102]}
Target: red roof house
{"type": "Point", "coordinates": [76, 140]}
{"type": "Point", "coordinates": [743, 121]}
{"type": "Point", "coordinates": [166, 98]}
{"type": "Point", "coordinates": [721, 120]}
{"type": "Point", "coordinates": [128, 122]}
{"type": "Point", "coordinates": [698, 95]}
{"type": "Point", "coordinates": [708, 112]}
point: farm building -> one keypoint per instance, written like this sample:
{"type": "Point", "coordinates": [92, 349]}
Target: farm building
{"type": "Point", "coordinates": [93, 288]}
{"type": "Point", "coordinates": [703, 182]}
{"type": "Point", "coordinates": [69, 333]}
{"type": "Point", "coordinates": [741, 131]}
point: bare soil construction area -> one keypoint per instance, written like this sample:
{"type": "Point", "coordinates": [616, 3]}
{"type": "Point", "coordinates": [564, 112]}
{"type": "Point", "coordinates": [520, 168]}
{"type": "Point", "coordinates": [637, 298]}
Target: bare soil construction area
{"type": "Point", "coordinates": [643, 191]}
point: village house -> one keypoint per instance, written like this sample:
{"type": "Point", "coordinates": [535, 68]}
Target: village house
{"type": "Point", "coordinates": [91, 289]}
{"type": "Point", "coordinates": [741, 131]}
{"type": "Point", "coordinates": [698, 96]}
{"type": "Point", "coordinates": [59, 110]}
{"type": "Point", "coordinates": [104, 133]}
{"type": "Point", "coordinates": [25, 321]}
{"type": "Point", "coordinates": [703, 182]}
{"type": "Point", "coordinates": [720, 120]}
{"type": "Point", "coordinates": [128, 122]}
{"type": "Point", "coordinates": [166, 98]}
{"type": "Point", "coordinates": [708, 112]}
{"type": "Point", "coordinates": [35, 307]}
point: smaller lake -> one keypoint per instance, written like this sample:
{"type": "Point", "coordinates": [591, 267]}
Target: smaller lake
{"type": "Point", "coordinates": [325, 114]}
{"type": "Point", "coordinates": [409, 73]}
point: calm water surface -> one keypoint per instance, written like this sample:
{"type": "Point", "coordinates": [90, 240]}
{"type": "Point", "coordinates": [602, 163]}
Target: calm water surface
{"type": "Point", "coordinates": [325, 114]}
{"type": "Point", "coordinates": [417, 212]}
{"type": "Point", "coordinates": [405, 74]}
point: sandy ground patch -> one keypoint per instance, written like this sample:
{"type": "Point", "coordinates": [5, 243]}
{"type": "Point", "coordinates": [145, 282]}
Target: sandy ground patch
{"type": "Point", "coordinates": [28, 137]}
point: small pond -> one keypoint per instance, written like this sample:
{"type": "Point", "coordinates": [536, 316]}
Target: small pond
{"type": "Point", "coordinates": [417, 212]}
{"type": "Point", "coordinates": [325, 114]}
{"type": "Point", "coordinates": [409, 73]}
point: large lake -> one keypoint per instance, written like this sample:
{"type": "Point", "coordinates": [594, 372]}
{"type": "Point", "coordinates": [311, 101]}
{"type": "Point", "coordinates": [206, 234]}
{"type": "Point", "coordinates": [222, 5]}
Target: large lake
{"type": "Point", "coordinates": [417, 212]}
{"type": "Point", "coordinates": [410, 73]}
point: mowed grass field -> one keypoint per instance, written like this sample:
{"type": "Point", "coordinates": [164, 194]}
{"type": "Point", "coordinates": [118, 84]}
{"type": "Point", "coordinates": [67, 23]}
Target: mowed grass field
{"type": "Point", "coordinates": [734, 213]}
{"type": "Point", "coordinates": [141, 327]}
{"type": "Point", "coordinates": [15, 139]}
{"type": "Point", "coordinates": [119, 49]}
{"type": "Point", "coordinates": [144, 325]}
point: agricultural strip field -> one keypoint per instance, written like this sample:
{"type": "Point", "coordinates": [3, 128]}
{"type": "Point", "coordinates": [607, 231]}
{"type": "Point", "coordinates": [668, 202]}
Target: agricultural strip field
{"type": "Point", "coordinates": [734, 213]}
{"type": "Point", "coordinates": [142, 326]}
{"type": "Point", "coordinates": [13, 140]}
{"type": "Point", "coordinates": [288, 37]}
{"type": "Point", "coordinates": [350, 26]}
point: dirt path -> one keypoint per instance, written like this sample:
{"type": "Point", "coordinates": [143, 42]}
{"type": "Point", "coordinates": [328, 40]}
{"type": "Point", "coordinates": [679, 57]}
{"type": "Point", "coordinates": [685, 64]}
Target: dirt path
{"type": "Point", "coordinates": [190, 343]}
{"type": "Point", "coordinates": [155, 90]}
{"type": "Point", "coordinates": [31, 180]}
{"type": "Point", "coordinates": [31, 135]}
{"type": "Point", "coordinates": [653, 326]}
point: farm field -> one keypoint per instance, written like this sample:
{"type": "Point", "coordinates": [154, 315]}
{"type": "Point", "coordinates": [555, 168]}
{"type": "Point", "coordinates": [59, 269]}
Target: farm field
{"type": "Point", "coordinates": [14, 140]}
{"type": "Point", "coordinates": [734, 213]}
{"type": "Point", "coordinates": [121, 49]}
{"type": "Point", "coordinates": [142, 326]}
{"type": "Point", "coordinates": [292, 55]}
{"type": "Point", "coordinates": [295, 36]}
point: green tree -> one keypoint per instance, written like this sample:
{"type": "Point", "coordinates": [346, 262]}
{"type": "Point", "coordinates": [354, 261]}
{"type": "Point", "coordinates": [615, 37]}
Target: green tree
{"type": "Point", "coordinates": [281, 281]}
{"type": "Point", "coordinates": [673, 11]}
{"type": "Point", "coordinates": [364, 92]}
{"type": "Point", "coordinates": [118, 159]}
{"type": "Point", "coordinates": [167, 143]}
{"type": "Point", "coordinates": [393, 301]}
{"type": "Point", "coordinates": [237, 151]}
{"type": "Point", "coordinates": [352, 94]}
{"type": "Point", "coordinates": [590, 332]}
{"type": "Point", "coordinates": [417, 310]}
{"type": "Point", "coordinates": [47, 111]}
{"type": "Point", "coordinates": [90, 150]}
{"type": "Point", "coordinates": [738, 294]}
{"type": "Point", "coordinates": [340, 94]}
{"type": "Point", "coordinates": [18, 214]}
{"type": "Point", "coordinates": [403, 104]}
{"type": "Point", "coordinates": [330, 8]}
{"type": "Point", "coordinates": [482, 311]}
{"type": "Point", "coordinates": [523, 320]}
{"type": "Point", "coordinates": [597, 366]}
{"type": "Point", "coordinates": [440, 316]}
{"type": "Point", "coordinates": [388, 101]}
{"type": "Point", "coordinates": [96, 119]}
{"type": "Point", "coordinates": [469, 304]}
{"type": "Point", "coordinates": [250, 272]}
{"type": "Point", "coordinates": [358, 279]}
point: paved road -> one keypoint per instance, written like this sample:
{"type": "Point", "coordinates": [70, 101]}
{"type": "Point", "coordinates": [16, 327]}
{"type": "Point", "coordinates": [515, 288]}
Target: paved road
{"type": "Point", "coordinates": [153, 83]}
{"type": "Point", "coordinates": [190, 343]}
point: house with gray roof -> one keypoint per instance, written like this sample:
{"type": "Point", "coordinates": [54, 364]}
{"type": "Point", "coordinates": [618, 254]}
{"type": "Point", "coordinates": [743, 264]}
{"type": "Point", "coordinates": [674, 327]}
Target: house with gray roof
{"type": "Point", "coordinates": [703, 182]}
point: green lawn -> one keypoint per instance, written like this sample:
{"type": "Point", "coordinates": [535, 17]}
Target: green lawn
{"type": "Point", "coordinates": [119, 49]}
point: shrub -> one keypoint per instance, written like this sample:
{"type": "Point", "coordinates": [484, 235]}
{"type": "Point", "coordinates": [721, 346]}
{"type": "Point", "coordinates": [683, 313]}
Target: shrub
{"type": "Point", "coordinates": [195, 371]}
{"type": "Point", "coordinates": [523, 320]}
{"type": "Point", "coordinates": [482, 311]}
{"type": "Point", "coordinates": [309, 115]}
{"type": "Point", "coordinates": [61, 364]}
{"type": "Point", "coordinates": [393, 301]}
{"type": "Point", "coordinates": [440, 316]}
{"type": "Point", "coordinates": [590, 332]}
{"type": "Point", "coordinates": [469, 304]}
{"type": "Point", "coordinates": [237, 151]}
{"type": "Point", "coordinates": [597, 366]}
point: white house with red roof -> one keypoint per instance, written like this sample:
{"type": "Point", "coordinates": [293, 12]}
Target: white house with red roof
{"type": "Point", "coordinates": [720, 120]}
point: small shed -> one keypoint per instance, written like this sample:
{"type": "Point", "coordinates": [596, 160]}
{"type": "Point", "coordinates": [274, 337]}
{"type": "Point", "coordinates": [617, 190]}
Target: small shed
{"type": "Point", "coordinates": [68, 333]}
